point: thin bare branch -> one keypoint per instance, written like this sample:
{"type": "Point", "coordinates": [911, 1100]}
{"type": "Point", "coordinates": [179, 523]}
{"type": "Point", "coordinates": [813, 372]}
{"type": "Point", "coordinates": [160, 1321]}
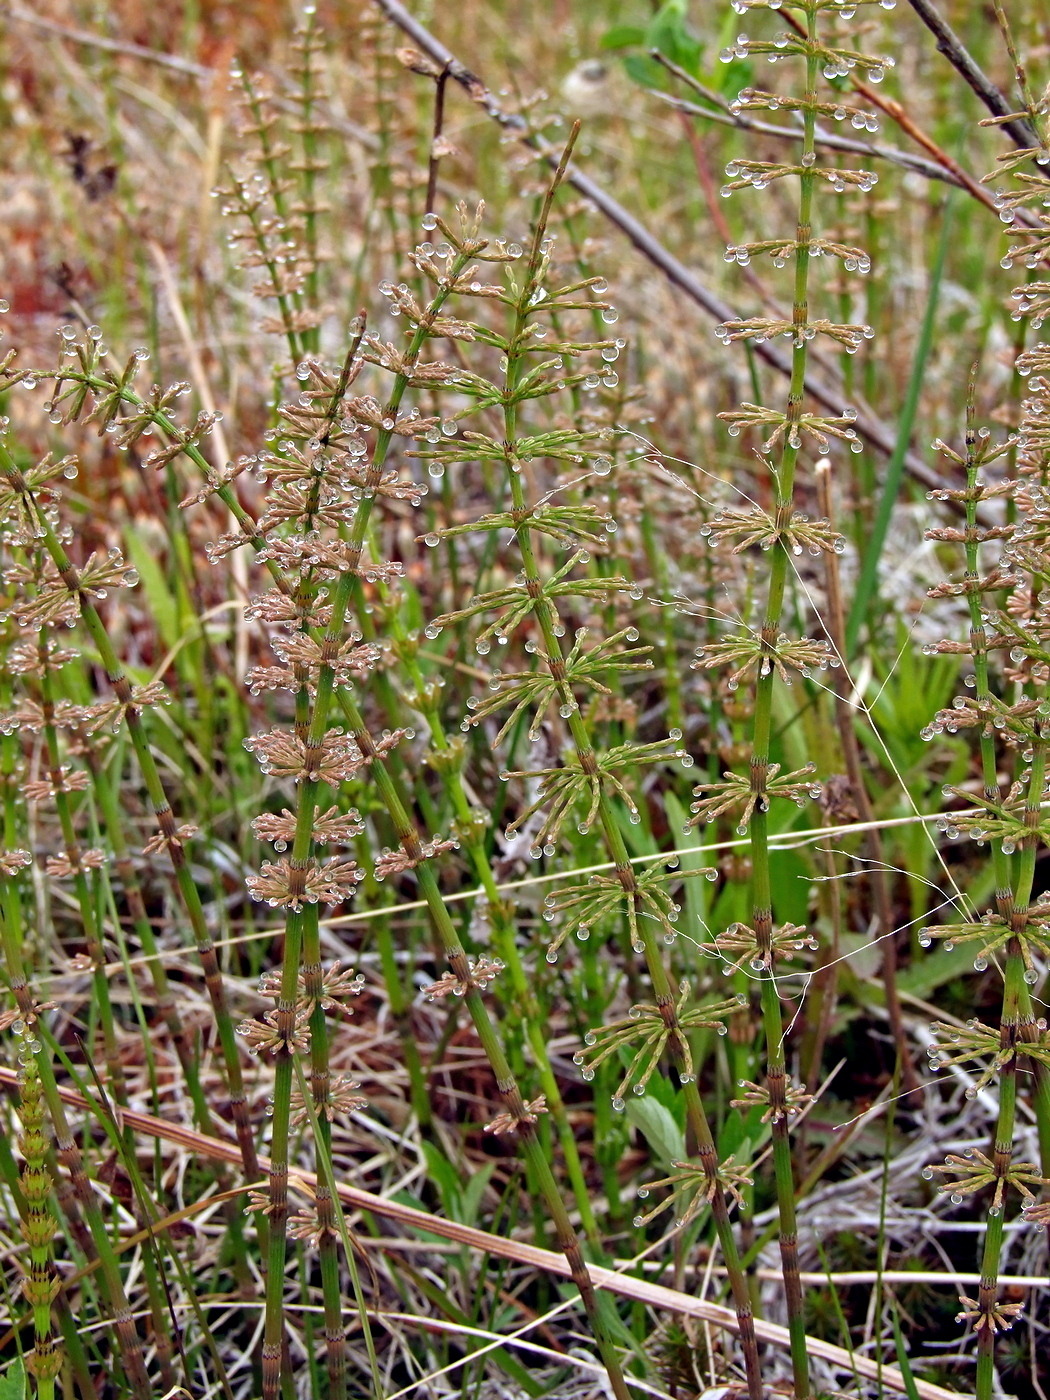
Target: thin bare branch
{"type": "Point", "coordinates": [949, 44]}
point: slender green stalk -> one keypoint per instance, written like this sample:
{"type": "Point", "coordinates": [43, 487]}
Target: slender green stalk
{"type": "Point", "coordinates": [128, 1342]}
{"type": "Point", "coordinates": [287, 1020]}
{"type": "Point", "coordinates": [447, 760]}
{"type": "Point", "coordinates": [551, 629]}
{"type": "Point", "coordinates": [104, 790]}
{"type": "Point", "coordinates": [74, 861]}
{"type": "Point", "coordinates": [988, 1305]}
{"type": "Point", "coordinates": [41, 1283]}
{"type": "Point", "coordinates": [1011, 825]}
{"type": "Point", "coordinates": [171, 837]}
{"type": "Point", "coordinates": [83, 1195]}
{"type": "Point", "coordinates": [301, 940]}
{"type": "Point", "coordinates": [331, 1222]}
{"type": "Point", "coordinates": [783, 532]}
{"type": "Point", "coordinates": [283, 1040]}
{"type": "Point", "coordinates": [517, 1115]}
{"type": "Point", "coordinates": [309, 165]}
{"type": "Point", "coordinates": [777, 1082]}
{"type": "Point", "coordinates": [266, 239]}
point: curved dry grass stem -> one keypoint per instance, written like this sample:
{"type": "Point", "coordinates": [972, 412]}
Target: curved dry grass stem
{"type": "Point", "coordinates": [623, 1285]}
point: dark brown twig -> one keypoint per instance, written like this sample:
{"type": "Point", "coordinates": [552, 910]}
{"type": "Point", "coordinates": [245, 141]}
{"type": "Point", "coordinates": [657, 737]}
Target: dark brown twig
{"type": "Point", "coordinates": [435, 140]}
{"type": "Point", "coordinates": [949, 44]}
{"type": "Point", "coordinates": [720, 111]}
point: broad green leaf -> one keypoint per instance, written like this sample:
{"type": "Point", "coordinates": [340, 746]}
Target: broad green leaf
{"type": "Point", "coordinates": [13, 1384]}
{"type": "Point", "coordinates": [162, 603]}
{"type": "Point", "coordinates": [657, 1125]}
{"type": "Point", "coordinates": [623, 36]}
{"type": "Point", "coordinates": [741, 1134]}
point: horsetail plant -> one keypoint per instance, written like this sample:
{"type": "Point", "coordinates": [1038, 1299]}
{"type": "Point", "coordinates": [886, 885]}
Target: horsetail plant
{"type": "Point", "coordinates": [39, 1082]}
{"type": "Point", "coordinates": [412, 813]}
{"type": "Point", "coordinates": [537, 366]}
{"type": "Point", "coordinates": [66, 594]}
{"type": "Point", "coordinates": [1007, 710]}
{"type": "Point", "coordinates": [760, 658]}
{"type": "Point", "coordinates": [327, 487]}
{"type": "Point", "coordinates": [41, 1283]}
{"type": "Point", "coordinates": [276, 203]}
{"type": "Point", "coordinates": [317, 577]}
{"type": "Point", "coordinates": [280, 236]}
{"type": "Point", "coordinates": [1017, 930]}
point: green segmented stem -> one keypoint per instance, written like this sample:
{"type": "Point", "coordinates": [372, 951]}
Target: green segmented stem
{"type": "Point", "coordinates": [41, 1283]}
{"type": "Point", "coordinates": [762, 904]}
{"type": "Point", "coordinates": [285, 1010]}
{"type": "Point", "coordinates": [162, 811]}
{"type": "Point", "coordinates": [547, 619]}
{"type": "Point", "coordinates": [85, 903]}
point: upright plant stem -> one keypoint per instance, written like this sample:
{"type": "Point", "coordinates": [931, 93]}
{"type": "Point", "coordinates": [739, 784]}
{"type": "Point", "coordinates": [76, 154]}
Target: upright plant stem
{"type": "Point", "coordinates": [518, 1114]}
{"type": "Point", "coordinates": [877, 874]}
{"type": "Point", "coordinates": [41, 1282]}
{"type": "Point", "coordinates": [73, 855]}
{"type": "Point", "coordinates": [548, 621]}
{"type": "Point", "coordinates": [762, 902]}
{"type": "Point", "coordinates": [162, 811]}
{"type": "Point", "coordinates": [1013, 895]}
{"type": "Point", "coordinates": [523, 994]}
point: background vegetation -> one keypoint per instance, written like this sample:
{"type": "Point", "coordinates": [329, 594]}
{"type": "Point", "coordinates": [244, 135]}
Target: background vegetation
{"type": "Point", "coordinates": [494, 697]}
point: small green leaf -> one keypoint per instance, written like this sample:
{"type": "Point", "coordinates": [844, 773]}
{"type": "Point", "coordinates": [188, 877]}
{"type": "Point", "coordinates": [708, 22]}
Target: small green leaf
{"type": "Point", "coordinates": [657, 1125]}
{"type": "Point", "coordinates": [644, 71]}
{"type": "Point", "coordinates": [668, 34]}
{"type": "Point", "coordinates": [13, 1382]}
{"type": "Point", "coordinates": [623, 36]}
{"type": "Point", "coordinates": [742, 1133]}
{"type": "Point", "coordinates": [162, 602]}
{"type": "Point", "coordinates": [473, 1191]}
